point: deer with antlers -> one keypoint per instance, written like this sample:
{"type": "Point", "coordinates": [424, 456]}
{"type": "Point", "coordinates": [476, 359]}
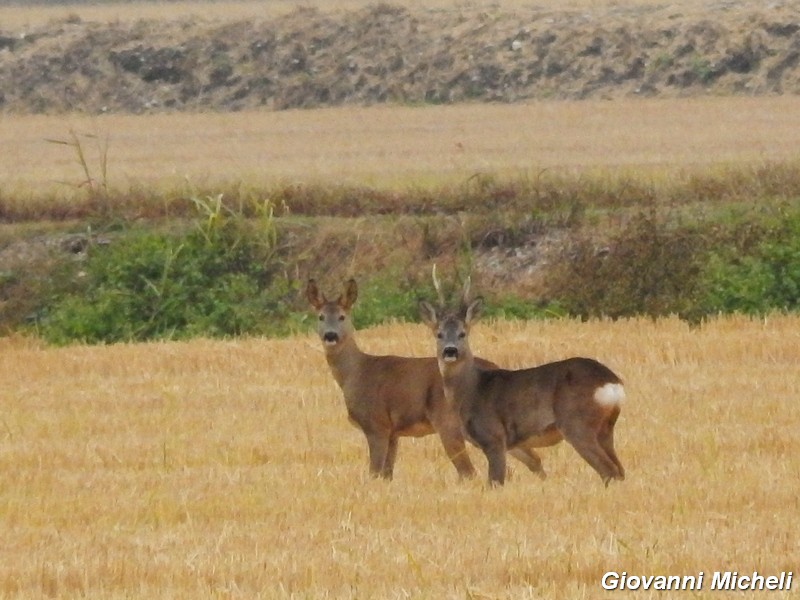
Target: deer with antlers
{"type": "Point", "coordinates": [389, 397]}
{"type": "Point", "coordinates": [577, 399]}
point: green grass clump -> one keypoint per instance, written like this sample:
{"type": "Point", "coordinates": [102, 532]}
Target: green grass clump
{"type": "Point", "coordinates": [212, 280]}
{"type": "Point", "coordinates": [763, 278]}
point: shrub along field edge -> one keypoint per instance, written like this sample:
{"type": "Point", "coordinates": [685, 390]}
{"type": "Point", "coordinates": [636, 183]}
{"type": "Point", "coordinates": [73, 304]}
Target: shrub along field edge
{"type": "Point", "coordinates": [226, 268]}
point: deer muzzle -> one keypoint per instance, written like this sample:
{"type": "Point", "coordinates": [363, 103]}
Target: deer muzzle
{"type": "Point", "coordinates": [330, 338]}
{"type": "Point", "coordinates": [450, 354]}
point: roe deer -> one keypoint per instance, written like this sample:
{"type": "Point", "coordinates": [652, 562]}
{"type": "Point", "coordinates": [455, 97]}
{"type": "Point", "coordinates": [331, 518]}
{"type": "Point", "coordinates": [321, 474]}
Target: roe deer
{"type": "Point", "coordinates": [391, 396]}
{"type": "Point", "coordinates": [386, 396]}
{"type": "Point", "coordinates": [577, 399]}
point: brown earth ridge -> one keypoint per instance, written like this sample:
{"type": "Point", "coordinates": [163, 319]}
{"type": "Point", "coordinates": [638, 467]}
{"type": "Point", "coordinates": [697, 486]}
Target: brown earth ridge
{"type": "Point", "coordinates": [388, 53]}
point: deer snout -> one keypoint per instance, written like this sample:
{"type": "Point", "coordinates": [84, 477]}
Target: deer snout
{"type": "Point", "coordinates": [450, 353]}
{"type": "Point", "coordinates": [330, 337]}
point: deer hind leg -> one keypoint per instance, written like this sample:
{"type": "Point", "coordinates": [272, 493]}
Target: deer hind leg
{"type": "Point", "coordinates": [528, 457]}
{"type": "Point", "coordinates": [606, 439]}
{"type": "Point", "coordinates": [381, 449]}
{"type": "Point", "coordinates": [586, 441]}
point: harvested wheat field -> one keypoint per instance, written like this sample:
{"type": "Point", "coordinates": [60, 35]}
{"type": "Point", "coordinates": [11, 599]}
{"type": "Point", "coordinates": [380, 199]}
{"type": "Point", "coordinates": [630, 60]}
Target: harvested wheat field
{"type": "Point", "coordinates": [228, 470]}
{"type": "Point", "coordinates": [394, 146]}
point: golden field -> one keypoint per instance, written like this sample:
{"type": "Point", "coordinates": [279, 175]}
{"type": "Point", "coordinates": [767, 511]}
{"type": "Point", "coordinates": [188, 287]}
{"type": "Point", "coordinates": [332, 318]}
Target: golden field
{"type": "Point", "coordinates": [396, 146]}
{"type": "Point", "coordinates": [227, 469]}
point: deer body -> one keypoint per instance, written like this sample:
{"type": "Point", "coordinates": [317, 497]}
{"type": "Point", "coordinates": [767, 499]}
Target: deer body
{"type": "Point", "coordinates": [376, 390]}
{"type": "Point", "coordinates": [577, 399]}
{"type": "Point", "coordinates": [387, 397]}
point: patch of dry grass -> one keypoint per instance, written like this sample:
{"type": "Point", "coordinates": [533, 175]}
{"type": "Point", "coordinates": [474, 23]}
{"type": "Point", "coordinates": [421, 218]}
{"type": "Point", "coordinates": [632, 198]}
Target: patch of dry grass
{"type": "Point", "coordinates": [653, 142]}
{"type": "Point", "coordinates": [228, 469]}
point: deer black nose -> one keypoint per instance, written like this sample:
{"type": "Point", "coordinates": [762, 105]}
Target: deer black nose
{"type": "Point", "coordinates": [450, 353]}
{"type": "Point", "coordinates": [330, 337]}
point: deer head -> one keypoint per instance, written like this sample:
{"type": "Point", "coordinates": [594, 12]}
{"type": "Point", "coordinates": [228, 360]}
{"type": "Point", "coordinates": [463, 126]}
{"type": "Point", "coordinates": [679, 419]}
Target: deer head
{"type": "Point", "coordinates": [451, 327]}
{"type": "Point", "coordinates": [335, 326]}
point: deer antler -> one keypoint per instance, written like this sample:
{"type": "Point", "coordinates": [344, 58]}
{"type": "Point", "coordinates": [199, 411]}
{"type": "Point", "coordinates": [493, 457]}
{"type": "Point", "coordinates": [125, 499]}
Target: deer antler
{"type": "Point", "coordinates": [465, 293]}
{"type": "Point", "coordinates": [437, 286]}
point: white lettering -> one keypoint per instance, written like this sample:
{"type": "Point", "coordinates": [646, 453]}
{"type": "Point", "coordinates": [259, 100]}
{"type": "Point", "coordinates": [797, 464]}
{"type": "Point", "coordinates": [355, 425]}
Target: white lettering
{"type": "Point", "coordinates": [722, 581]}
{"type": "Point", "coordinates": [648, 581]}
{"type": "Point", "coordinates": [731, 580]}
{"type": "Point", "coordinates": [610, 580]}
{"type": "Point", "coordinates": [757, 580]}
{"type": "Point", "coordinates": [690, 582]}
{"type": "Point", "coordinates": [663, 583]}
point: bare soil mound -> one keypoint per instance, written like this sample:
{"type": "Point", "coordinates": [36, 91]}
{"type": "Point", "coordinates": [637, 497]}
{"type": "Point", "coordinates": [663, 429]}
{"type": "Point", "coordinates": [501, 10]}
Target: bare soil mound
{"type": "Point", "coordinates": [387, 53]}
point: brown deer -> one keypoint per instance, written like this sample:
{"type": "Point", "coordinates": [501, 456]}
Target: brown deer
{"type": "Point", "coordinates": [388, 397]}
{"type": "Point", "coordinates": [577, 399]}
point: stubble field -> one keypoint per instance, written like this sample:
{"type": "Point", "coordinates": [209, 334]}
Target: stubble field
{"type": "Point", "coordinates": [228, 470]}
{"type": "Point", "coordinates": [391, 147]}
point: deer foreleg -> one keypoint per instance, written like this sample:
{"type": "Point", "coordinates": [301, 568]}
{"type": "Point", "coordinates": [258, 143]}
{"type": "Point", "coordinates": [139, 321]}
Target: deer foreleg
{"type": "Point", "coordinates": [493, 443]}
{"type": "Point", "coordinates": [379, 450]}
{"type": "Point", "coordinates": [460, 459]}
{"type": "Point", "coordinates": [496, 455]}
{"type": "Point", "coordinates": [450, 433]}
{"type": "Point", "coordinates": [391, 455]}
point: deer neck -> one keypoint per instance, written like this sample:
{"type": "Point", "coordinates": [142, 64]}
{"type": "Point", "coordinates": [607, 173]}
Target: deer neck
{"type": "Point", "coordinates": [345, 360]}
{"type": "Point", "coordinates": [459, 378]}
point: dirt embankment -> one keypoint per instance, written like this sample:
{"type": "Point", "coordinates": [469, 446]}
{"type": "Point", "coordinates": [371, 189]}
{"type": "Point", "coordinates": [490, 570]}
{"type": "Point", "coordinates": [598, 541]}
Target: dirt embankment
{"type": "Point", "coordinates": [386, 53]}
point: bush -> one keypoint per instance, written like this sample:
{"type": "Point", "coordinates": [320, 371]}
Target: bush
{"type": "Point", "coordinates": [651, 267]}
{"type": "Point", "coordinates": [386, 296]}
{"type": "Point", "coordinates": [212, 280]}
{"type": "Point", "coordinates": [765, 279]}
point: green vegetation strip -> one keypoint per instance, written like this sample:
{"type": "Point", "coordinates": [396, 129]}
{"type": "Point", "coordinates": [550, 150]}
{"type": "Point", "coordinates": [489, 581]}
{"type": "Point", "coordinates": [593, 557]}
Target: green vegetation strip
{"type": "Point", "coordinates": [234, 263]}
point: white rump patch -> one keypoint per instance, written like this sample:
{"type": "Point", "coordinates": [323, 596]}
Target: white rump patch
{"type": "Point", "coordinates": [610, 394]}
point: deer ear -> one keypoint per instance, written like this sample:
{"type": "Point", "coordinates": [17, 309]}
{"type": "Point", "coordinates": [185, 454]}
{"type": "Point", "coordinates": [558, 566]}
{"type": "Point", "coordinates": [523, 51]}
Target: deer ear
{"type": "Point", "coordinates": [427, 313]}
{"type": "Point", "coordinates": [315, 298]}
{"type": "Point", "coordinates": [473, 310]}
{"type": "Point", "coordinates": [350, 295]}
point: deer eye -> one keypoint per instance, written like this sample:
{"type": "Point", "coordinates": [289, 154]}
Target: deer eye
{"type": "Point", "coordinates": [440, 335]}
{"type": "Point", "coordinates": [461, 335]}
{"type": "Point", "coordinates": [342, 317]}
{"type": "Point", "coordinates": [321, 318]}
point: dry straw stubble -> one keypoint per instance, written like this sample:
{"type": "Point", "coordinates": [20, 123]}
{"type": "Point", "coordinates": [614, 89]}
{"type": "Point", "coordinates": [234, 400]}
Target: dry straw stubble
{"type": "Point", "coordinates": [228, 469]}
{"type": "Point", "coordinates": [390, 146]}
